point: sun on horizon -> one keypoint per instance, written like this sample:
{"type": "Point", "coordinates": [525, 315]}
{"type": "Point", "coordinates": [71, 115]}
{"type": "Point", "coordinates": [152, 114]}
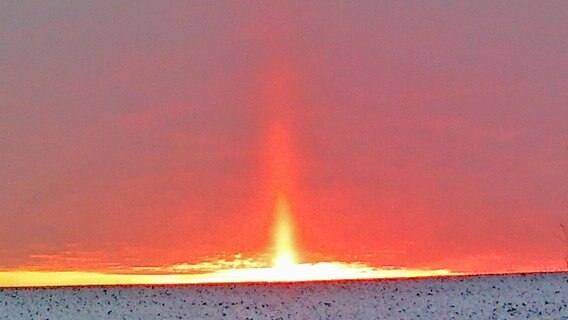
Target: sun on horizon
{"type": "Point", "coordinates": [285, 267]}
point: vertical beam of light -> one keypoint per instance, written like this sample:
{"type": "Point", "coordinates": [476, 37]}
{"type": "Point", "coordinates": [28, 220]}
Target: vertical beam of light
{"type": "Point", "coordinates": [281, 154]}
{"type": "Point", "coordinates": [279, 97]}
{"type": "Point", "coordinates": [285, 251]}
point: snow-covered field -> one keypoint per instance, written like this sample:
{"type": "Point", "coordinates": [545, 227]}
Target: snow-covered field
{"type": "Point", "coordinates": [532, 296]}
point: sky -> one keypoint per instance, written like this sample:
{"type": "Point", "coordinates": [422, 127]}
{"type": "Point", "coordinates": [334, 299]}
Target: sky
{"type": "Point", "coordinates": [406, 134]}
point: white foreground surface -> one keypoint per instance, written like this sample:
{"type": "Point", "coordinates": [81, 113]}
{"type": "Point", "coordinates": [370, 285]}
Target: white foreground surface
{"type": "Point", "coordinates": [533, 296]}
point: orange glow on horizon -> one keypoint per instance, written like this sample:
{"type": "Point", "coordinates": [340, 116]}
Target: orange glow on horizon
{"type": "Point", "coordinates": [285, 267]}
{"type": "Point", "coordinates": [322, 271]}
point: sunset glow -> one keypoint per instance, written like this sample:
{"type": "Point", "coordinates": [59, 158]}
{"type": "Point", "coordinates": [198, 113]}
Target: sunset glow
{"type": "Point", "coordinates": [285, 267]}
{"type": "Point", "coordinates": [280, 141]}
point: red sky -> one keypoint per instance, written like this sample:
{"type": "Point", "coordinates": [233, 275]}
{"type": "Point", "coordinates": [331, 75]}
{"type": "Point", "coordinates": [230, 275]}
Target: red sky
{"type": "Point", "coordinates": [424, 135]}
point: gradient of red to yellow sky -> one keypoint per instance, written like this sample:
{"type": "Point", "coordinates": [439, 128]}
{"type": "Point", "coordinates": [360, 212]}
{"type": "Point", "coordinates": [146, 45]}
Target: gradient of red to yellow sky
{"type": "Point", "coordinates": [409, 135]}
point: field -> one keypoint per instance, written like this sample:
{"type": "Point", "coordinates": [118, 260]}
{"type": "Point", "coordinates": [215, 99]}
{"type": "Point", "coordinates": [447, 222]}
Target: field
{"type": "Point", "coordinates": [520, 296]}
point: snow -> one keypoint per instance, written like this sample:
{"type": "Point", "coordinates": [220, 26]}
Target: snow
{"type": "Point", "coordinates": [523, 296]}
